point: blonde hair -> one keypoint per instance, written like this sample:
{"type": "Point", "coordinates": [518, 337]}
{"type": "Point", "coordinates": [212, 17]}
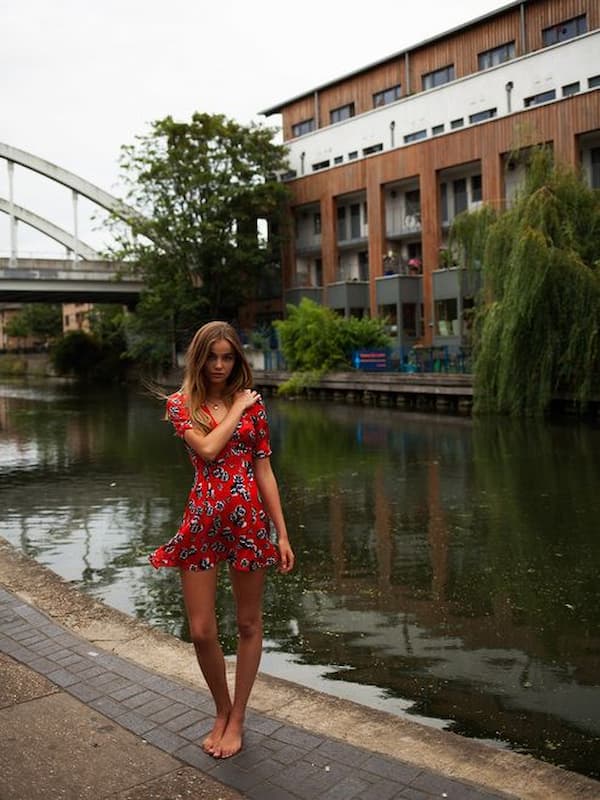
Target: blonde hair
{"type": "Point", "coordinates": [193, 387]}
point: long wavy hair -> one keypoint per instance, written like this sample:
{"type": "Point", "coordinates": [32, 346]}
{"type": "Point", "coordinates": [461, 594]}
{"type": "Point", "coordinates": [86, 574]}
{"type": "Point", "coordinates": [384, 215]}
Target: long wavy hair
{"type": "Point", "coordinates": [193, 386]}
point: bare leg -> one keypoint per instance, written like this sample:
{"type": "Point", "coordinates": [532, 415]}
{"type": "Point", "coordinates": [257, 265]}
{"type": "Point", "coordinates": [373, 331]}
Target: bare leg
{"type": "Point", "coordinates": [248, 593]}
{"type": "Point", "coordinates": [199, 596]}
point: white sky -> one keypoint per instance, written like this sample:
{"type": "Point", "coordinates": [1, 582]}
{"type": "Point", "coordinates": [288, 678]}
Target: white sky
{"type": "Point", "coordinates": [79, 79]}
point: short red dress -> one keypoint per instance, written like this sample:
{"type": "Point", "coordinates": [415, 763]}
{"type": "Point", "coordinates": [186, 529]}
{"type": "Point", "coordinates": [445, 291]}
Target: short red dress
{"type": "Point", "coordinates": [224, 519]}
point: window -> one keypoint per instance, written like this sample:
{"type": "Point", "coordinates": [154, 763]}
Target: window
{"type": "Point", "coordinates": [460, 195]}
{"type": "Point", "coordinates": [476, 188]}
{"type": "Point", "coordinates": [543, 97]}
{"type": "Point", "coordinates": [570, 88]}
{"type": "Point", "coordinates": [341, 113]}
{"type": "Point", "coordinates": [444, 201]}
{"type": "Point", "coordinates": [317, 223]}
{"type": "Point", "coordinates": [413, 203]}
{"type": "Point", "coordinates": [564, 30]}
{"type": "Point", "coordinates": [409, 319]}
{"type": "Point", "coordinates": [413, 137]}
{"type": "Point", "coordinates": [319, 271]}
{"type": "Point", "coordinates": [387, 96]}
{"type": "Point", "coordinates": [594, 82]}
{"type": "Point", "coordinates": [300, 128]}
{"type": "Point", "coordinates": [338, 160]}
{"type": "Point", "coordinates": [355, 221]}
{"type": "Point", "coordinates": [438, 77]}
{"type": "Point", "coordinates": [497, 55]}
{"type": "Point", "coordinates": [353, 155]}
{"type": "Point", "coordinates": [341, 223]}
{"type": "Point", "coordinates": [446, 317]}
{"type": "Point", "coordinates": [437, 129]}
{"type": "Point", "coordinates": [595, 159]}
{"type": "Point", "coordinates": [457, 123]}
{"type": "Point", "coordinates": [320, 165]}
{"type": "Point", "coordinates": [374, 148]}
{"type": "Point", "coordinates": [481, 115]}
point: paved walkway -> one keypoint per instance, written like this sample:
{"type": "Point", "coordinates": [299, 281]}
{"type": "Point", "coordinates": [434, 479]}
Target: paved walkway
{"type": "Point", "coordinates": [79, 722]}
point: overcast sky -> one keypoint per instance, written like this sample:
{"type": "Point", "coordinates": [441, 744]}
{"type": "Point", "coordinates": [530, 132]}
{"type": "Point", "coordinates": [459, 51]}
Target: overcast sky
{"type": "Point", "coordinates": [79, 79]}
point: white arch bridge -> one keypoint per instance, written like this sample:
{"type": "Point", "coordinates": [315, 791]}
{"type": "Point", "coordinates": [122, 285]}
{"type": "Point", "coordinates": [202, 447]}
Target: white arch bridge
{"type": "Point", "coordinates": [83, 276]}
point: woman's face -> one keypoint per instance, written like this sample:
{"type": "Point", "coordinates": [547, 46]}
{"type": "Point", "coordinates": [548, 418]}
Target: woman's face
{"type": "Point", "coordinates": [219, 364]}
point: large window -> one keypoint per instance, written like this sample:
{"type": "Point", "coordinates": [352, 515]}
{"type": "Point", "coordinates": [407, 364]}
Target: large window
{"type": "Point", "coordinates": [497, 55]}
{"type": "Point", "coordinates": [438, 77]}
{"type": "Point", "coordinates": [564, 30]}
{"type": "Point", "coordinates": [414, 137]}
{"type": "Point", "coordinates": [446, 317]}
{"type": "Point", "coordinates": [341, 113]}
{"type": "Point", "coordinates": [542, 97]}
{"type": "Point", "coordinates": [479, 116]}
{"type": "Point", "coordinates": [476, 195]}
{"type": "Point", "coordinates": [341, 223]}
{"type": "Point", "coordinates": [595, 159]}
{"type": "Point", "coordinates": [300, 128]}
{"type": "Point", "coordinates": [461, 201]}
{"type": "Point", "coordinates": [355, 221]}
{"type": "Point", "coordinates": [387, 96]}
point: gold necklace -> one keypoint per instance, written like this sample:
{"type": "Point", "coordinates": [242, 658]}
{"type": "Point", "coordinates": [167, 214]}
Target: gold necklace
{"type": "Point", "coordinates": [214, 404]}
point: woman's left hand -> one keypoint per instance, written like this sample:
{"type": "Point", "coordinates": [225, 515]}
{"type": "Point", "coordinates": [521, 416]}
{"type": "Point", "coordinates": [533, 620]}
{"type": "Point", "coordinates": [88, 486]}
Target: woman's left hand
{"type": "Point", "coordinates": [287, 557]}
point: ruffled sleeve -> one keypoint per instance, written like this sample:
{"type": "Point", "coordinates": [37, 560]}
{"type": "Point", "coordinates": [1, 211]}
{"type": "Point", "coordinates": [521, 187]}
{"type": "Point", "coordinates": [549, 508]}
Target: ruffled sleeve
{"type": "Point", "coordinates": [178, 414]}
{"type": "Point", "coordinates": [262, 443]}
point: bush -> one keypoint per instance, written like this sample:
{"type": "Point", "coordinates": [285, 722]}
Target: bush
{"type": "Point", "coordinates": [314, 340]}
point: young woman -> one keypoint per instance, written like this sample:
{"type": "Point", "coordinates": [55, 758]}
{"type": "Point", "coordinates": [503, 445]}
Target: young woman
{"type": "Point", "coordinates": [233, 500]}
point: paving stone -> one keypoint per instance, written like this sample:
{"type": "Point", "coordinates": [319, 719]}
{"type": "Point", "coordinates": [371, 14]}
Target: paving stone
{"type": "Point", "coordinates": [43, 665]}
{"type": "Point", "coordinates": [266, 791]}
{"type": "Point", "coordinates": [185, 720]}
{"type": "Point", "coordinates": [135, 723]}
{"type": "Point", "coordinates": [388, 768]}
{"type": "Point", "coordinates": [196, 757]}
{"type": "Point", "coordinates": [228, 772]}
{"type": "Point", "coordinates": [143, 696]}
{"type": "Point", "coordinates": [129, 690]}
{"type": "Point", "coordinates": [346, 789]}
{"type": "Point", "coordinates": [345, 753]}
{"type": "Point", "coordinates": [167, 713]}
{"type": "Point", "coordinates": [262, 724]}
{"type": "Point", "coordinates": [198, 730]}
{"type": "Point", "coordinates": [62, 677]}
{"type": "Point", "coordinates": [68, 660]}
{"type": "Point", "coordinates": [300, 738]}
{"type": "Point", "coordinates": [157, 683]}
{"type": "Point", "coordinates": [107, 706]}
{"type": "Point", "coordinates": [381, 790]}
{"type": "Point", "coordinates": [166, 740]}
{"type": "Point", "coordinates": [85, 692]}
{"type": "Point", "coordinates": [288, 754]}
{"type": "Point", "coordinates": [158, 704]}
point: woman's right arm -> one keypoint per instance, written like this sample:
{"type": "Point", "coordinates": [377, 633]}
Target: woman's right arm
{"type": "Point", "coordinates": [209, 445]}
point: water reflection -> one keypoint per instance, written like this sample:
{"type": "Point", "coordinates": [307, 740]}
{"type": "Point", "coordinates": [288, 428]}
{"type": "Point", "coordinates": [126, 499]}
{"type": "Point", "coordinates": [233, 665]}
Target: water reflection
{"type": "Point", "coordinates": [450, 564]}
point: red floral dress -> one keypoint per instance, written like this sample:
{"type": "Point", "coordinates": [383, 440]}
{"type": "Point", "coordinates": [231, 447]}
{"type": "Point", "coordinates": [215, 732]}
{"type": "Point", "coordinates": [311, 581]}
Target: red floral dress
{"type": "Point", "coordinates": [224, 518]}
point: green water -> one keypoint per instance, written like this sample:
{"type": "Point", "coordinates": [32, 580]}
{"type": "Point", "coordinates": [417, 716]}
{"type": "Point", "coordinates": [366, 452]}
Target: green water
{"type": "Point", "coordinates": [448, 569]}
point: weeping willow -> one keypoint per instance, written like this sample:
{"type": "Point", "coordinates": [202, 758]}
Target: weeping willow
{"type": "Point", "coordinates": [537, 323]}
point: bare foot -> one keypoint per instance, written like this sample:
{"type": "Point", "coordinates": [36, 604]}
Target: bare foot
{"type": "Point", "coordinates": [212, 741]}
{"type": "Point", "coordinates": [231, 741]}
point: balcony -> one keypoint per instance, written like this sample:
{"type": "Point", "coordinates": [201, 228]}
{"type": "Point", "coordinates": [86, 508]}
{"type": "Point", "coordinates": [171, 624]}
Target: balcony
{"type": "Point", "coordinates": [349, 297]}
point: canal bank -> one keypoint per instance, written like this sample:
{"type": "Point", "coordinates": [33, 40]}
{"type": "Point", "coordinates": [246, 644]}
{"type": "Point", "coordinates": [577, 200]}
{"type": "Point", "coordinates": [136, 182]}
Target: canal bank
{"type": "Point", "coordinates": [300, 744]}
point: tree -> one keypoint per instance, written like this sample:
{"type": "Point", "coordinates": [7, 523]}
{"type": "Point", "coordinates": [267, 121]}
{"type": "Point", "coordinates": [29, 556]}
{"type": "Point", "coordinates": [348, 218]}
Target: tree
{"type": "Point", "coordinates": [40, 320]}
{"type": "Point", "coordinates": [200, 188]}
{"type": "Point", "coordinates": [315, 340]}
{"type": "Point", "coordinates": [537, 325]}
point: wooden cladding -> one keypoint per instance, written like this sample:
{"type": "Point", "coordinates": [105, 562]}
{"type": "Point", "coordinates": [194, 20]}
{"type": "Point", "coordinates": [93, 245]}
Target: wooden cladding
{"type": "Point", "coordinates": [460, 49]}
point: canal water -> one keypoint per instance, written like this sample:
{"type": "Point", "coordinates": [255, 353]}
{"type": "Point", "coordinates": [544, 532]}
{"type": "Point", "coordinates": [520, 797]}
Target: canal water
{"type": "Point", "coordinates": [448, 568]}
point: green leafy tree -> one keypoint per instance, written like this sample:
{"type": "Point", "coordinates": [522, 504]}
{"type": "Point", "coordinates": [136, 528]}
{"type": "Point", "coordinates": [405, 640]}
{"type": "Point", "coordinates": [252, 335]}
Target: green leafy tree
{"type": "Point", "coordinates": [41, 320]}
{"type": "Point", "coordinates": [200, 188]}
{"type": "Point", "coordinates": [315, 340]}
{"type": "Point", "coordinates": [537, 325]}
